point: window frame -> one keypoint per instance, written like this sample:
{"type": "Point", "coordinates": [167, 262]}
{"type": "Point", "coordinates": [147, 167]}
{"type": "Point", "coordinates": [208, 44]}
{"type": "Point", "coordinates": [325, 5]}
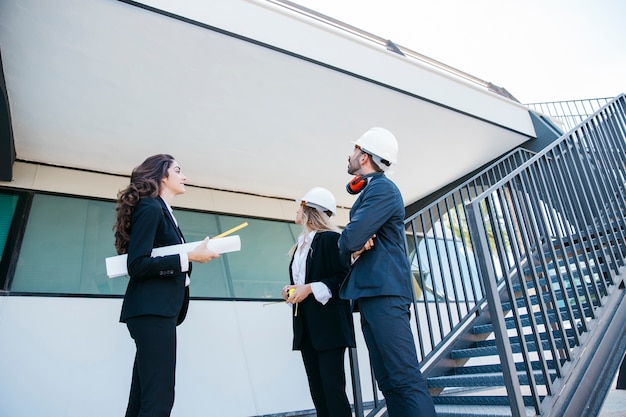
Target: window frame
{"type": "Point", "coordinates": [10, 255]}
{"type": "Point", "coordinates": [19, 224]}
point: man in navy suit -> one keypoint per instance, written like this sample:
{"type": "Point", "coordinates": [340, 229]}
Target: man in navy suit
{"type": "Point", "coordinates": [379, 282]}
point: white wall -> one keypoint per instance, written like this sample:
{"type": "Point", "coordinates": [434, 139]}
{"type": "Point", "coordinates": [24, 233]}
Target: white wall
{"type": "Point", "coordinates": [70, 357]}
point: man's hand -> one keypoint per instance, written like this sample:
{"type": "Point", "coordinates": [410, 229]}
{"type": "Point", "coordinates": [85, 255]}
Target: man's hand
{"type": "Point", "coordinates": [368, 245]}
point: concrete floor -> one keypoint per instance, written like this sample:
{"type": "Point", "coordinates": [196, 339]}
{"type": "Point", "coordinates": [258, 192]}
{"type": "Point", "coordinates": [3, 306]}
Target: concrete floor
{"type": "Point", "coordinates": [614, 403]}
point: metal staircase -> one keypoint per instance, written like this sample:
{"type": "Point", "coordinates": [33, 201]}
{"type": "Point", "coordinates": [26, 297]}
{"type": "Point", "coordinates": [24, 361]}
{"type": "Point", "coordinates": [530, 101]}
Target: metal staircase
{"type": "Point", "coordinates": [518, 274]}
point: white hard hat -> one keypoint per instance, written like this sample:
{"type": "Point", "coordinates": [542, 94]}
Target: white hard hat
{"type": "Point", "coordinates": [381, 143]}
{"type": "Point", "coordinates": [320, 199]}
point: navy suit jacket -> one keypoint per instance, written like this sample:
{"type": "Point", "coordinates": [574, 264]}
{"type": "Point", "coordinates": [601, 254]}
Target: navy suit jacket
{"type": "Point", "coordinates": [329, 325]}
{"type": "Point", "coordinates": [383, 270]}
{"type": "Point", "coordinates": [157, 285]}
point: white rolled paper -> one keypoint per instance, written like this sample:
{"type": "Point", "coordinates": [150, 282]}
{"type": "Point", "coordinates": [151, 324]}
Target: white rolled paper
{"type": "Point", "coordinates": [116, 265]}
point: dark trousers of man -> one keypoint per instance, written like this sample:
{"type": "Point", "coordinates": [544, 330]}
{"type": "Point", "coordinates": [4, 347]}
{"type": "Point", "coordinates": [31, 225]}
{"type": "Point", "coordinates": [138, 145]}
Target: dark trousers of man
{"type": "Point", "coordinates": [154, 370]}
{"type": "Point", "coordinates": [387, 331]}
{"type": "Point", "coordinates": [327, 379]}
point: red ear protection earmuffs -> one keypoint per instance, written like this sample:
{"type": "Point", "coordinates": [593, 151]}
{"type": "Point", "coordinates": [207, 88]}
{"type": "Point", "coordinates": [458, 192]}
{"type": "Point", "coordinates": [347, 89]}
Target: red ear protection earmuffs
{"type": "Point", "coordinates": [357, 184]}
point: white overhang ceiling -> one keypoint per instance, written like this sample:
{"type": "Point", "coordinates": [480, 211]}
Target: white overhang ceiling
{"type": "Point", "coordinates": [102, 84]}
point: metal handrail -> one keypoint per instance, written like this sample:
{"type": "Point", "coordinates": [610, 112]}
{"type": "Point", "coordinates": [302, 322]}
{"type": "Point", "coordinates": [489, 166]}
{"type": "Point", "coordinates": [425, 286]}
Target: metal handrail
{"type": "Point", "coordinates": [570, 112]}
{"type": "Point", "coordinates": [559, 210]}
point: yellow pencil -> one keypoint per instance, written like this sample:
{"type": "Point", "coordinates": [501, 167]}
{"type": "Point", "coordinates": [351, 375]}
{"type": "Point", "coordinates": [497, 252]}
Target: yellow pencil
{"type": "Point", "coordinates": [234, 229]}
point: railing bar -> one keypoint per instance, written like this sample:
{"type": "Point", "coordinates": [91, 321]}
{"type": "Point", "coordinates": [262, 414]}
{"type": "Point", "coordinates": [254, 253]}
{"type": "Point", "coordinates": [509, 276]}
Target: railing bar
{"type": "Point", "coordinates": [596, 201]}
{"type": "Point", "coordinates": [507, 195]}
{"type": "Point", "coordinates": [597, 207]}
{"type": "Point", "coordinates": [582, 229]}
{"type": "Point", "coordinates": [481, 182]}
{"type": "Point", "coordinates": [356, 382]}
{"type": "Point", "coordinates": [546, 175]}
{"type": "Point", "coordinates": [610, 166]}
{"type": "Point", "coordinates": [616, 130]}
{"type": "Point", "coordinates": [609, 130]}
{"type": "Point", "coordinates": [620, 118]}
{"type": "Point", "coordinates": [432, 280]}
{"type": "Point", "coordinates": [604, 179]}
{"type": "Point", "coordinates": [609, 148]}
{"type": "Point", "coordinates": [474, 254]}
{"type": "Point", "coordinates": [450, 263]}
{"type": "Point", "coordinates": [462, 258]}
{"type": "Point", "coordinates": [495, 174]}
{"type": "Point", "coordinates": [533, 229]}
{"type": "Point", "coordinates": [589, 207]}
{"type": "Point", "coordinates": [568, 212]}
{"type": "Point", "coordinates": [489, 278]}
{"type": "Point", "coordinates": [536, 193]}
{"type": "Point", "coordinates": [439, 265]}
{"type": "Point", "coordinates": [423, 287]}
{"type": "Point", "coordinates": [582, 115]}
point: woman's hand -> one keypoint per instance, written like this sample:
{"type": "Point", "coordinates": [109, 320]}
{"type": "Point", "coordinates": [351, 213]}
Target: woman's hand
{"type": "Point", "coordinates": [295, 293]}
{"type": "Point", "coordinates": [286, 290]}
{"type": "Point", "coordinates": [201, 253]}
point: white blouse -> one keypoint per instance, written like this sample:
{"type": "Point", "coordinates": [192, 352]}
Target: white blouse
{"type": "Point", "coordinates": [298, 268]}
{"type": "Point", "coordinates": [184, 258]}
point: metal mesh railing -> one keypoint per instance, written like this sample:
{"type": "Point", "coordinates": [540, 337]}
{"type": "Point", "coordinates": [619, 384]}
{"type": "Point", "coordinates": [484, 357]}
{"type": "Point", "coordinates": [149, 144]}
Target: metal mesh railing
{"type": "Point", "coordinates": [572, 112]}
{"type": "Point", "coordinates": [549, 239]}
{"type": "Point", "coordinates": [445, 278]}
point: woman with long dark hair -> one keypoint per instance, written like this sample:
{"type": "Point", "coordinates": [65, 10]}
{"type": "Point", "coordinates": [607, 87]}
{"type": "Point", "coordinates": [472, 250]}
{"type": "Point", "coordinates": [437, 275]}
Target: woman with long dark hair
{"type": "Point", "coordinates": [157, 295]}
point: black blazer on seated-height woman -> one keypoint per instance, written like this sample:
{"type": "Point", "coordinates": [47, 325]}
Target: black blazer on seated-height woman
{"type": "Point", "coordinates": [329, 326]}
{"type": "Point", "coordinates": [157, 285]}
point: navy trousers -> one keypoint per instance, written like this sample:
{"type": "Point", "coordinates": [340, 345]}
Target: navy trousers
{"type": "Point", "coordinates": [154, 370]}
{"type": "Point", "coordinates": [386, 328]}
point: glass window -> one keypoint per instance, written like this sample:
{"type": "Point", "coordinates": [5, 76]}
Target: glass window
{"type": "Point", "coordinates": [259, 270]}
{"type": "Point", "coordinates": [67, 240]}
{"type": "Point", "coordinates": [64, 246]}
{"type": "Point", "coordinates": [262, 266]}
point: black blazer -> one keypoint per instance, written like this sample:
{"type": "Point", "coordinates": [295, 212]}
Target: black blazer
{"type": "Point", "coordinates": [157, 285]}
{"type": "Point", "coordinates": [329, 326]}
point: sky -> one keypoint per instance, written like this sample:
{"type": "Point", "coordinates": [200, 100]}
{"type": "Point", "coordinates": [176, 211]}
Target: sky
{"type": "Point", "coordinates": [539, 50]}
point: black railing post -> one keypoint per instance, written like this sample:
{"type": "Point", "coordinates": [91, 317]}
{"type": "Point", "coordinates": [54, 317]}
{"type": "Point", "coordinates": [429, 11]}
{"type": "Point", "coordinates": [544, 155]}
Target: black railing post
{"type": "Point", "coordinates": [356, 382]}
{"type": "Point", "coordinates": [489, 278]}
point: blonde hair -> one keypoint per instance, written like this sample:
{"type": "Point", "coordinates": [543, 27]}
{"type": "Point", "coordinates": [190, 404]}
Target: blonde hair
{"type": "Point", "coordinates": [313, 219]}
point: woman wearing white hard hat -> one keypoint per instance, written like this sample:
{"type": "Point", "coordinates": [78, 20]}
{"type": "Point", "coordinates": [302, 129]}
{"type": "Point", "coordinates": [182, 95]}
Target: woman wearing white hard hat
{"type": "Point", "coordinates": [322, 322]}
